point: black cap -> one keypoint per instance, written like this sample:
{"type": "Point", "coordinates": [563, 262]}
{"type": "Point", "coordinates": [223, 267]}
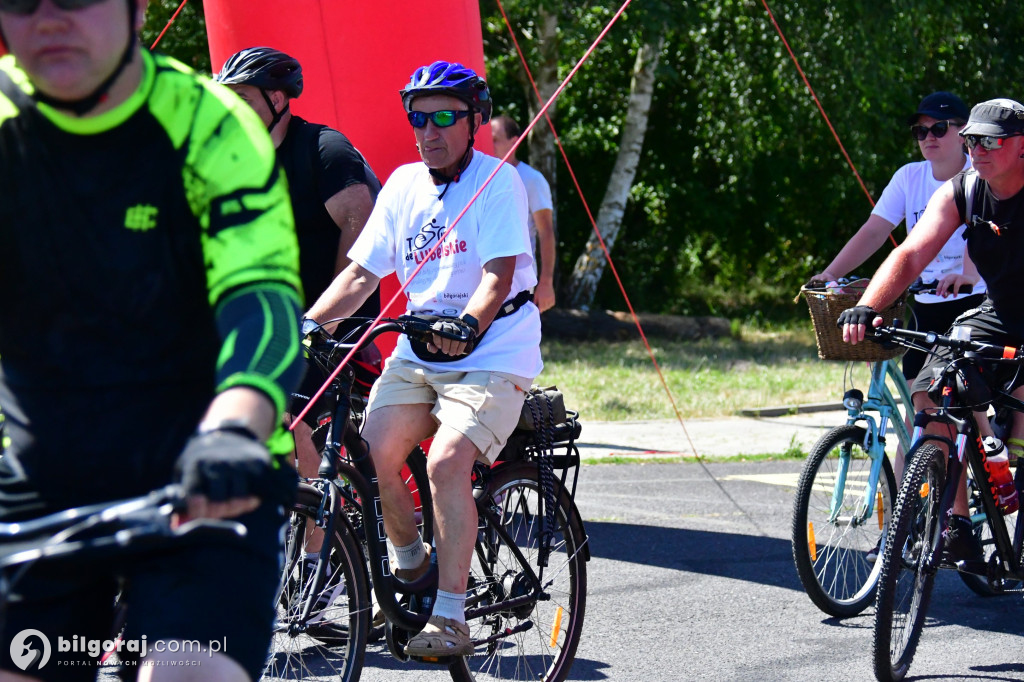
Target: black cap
{"type": "Point", "coordinates": [996, 118]}
{"type": "Point", "coordinates": [941, 106]}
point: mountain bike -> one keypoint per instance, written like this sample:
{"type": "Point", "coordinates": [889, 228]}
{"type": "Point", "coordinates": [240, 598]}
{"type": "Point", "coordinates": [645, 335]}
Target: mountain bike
{"type": "Point", "coordinates": [527, 587]}
{"type": "Point", "coordinates": [913, 552]}
{"type": "Point", "coordinates": [846, 491]}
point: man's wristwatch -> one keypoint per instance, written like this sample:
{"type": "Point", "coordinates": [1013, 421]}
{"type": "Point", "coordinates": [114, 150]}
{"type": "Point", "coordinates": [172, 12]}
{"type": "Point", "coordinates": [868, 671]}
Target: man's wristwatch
{"type": "Point", "coordinates": [309, 326]}
{"type": "Point", "coordinates": [471, 321]}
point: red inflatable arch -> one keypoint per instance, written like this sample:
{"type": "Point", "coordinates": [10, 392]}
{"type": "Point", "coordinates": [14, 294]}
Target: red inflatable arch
{"type": "Point", "coordinates": [355, 58]}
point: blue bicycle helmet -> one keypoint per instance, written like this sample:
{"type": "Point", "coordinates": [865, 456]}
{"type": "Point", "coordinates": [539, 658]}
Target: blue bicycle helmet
{"type": "Point", "coordinates": [449, 78]}
{"type": "Point", "coordinates": [264, 68]}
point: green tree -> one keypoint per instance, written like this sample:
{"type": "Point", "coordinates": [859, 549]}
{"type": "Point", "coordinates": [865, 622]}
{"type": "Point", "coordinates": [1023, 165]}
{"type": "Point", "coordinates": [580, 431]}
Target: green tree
{"type": "Point", "coordinates": [185, 39]}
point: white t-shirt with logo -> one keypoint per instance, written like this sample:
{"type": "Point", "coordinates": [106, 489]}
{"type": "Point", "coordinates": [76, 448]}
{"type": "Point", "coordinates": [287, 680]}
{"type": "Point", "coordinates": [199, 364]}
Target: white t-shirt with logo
{"type": "Point", "coordinates": [408, 220]}
{"type": "Point", "coordinates": [905, 198]}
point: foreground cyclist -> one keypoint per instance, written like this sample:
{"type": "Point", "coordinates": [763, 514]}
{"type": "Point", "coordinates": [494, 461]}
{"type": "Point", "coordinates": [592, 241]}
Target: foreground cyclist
{"type": "Point", "coordinates": [994, 134]}
{"type": "Point", "coordinates": [467, 395]}
{"type": "Point", "coordinates": [148, 333]}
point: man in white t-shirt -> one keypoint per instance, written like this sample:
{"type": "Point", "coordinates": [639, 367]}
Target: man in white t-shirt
{"type": "Point", "coordinates": [505, 133]}
{"type": "Point", "coordinates": [467, 395]}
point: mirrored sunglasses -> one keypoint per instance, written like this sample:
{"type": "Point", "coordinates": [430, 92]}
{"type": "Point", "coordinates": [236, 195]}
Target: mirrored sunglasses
{"type": "Point", "coordinates": [987, 142]}
{"type": "Point", "coordinates": [27, 7]}
{"type": "Point", "coordinates": [938, 130]}
{"type": "Point", "coordinates": [442, 119]}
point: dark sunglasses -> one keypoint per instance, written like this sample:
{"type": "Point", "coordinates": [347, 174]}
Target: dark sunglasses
{"type": "Point", "coordinates": [987, 142]}
{"type": "Point", "coordinates": [938, 130]}
{"type": "Point", "coordinates": [27, 7]}
{"type": "Point", "coordinates": [442, 119]}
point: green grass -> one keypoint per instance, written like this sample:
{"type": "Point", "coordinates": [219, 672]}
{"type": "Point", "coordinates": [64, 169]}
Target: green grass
{"type": "Point", "coordinates": [616, 381]}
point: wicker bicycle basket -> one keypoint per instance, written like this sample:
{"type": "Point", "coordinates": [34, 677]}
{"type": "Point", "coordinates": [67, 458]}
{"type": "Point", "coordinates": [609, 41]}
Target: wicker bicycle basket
{"type": "Point", "coordinates": [825, 308]}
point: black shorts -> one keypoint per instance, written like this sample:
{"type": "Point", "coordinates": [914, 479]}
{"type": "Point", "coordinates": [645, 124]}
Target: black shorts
{"type": "Point", "coordinates": [986, 327]}
{"type": "Point", "coordinates": [935, 317]}
{"type": "Point", "coordinates": [213, 594]}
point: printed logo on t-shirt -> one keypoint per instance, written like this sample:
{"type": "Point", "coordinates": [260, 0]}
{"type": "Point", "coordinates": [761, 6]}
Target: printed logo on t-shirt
{"type": "Point", "coordinates": [419, 246]}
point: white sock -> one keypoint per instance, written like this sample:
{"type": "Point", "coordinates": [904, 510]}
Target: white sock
{"type": "Point", "coordinates": [450, 605]}
{"type": "Point", "coordinates": [410, 556]}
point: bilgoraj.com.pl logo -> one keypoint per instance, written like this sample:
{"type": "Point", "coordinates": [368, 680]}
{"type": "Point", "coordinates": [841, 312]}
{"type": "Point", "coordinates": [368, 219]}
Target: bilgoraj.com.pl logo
{"type": "Point", "coordinates": [30, 650]}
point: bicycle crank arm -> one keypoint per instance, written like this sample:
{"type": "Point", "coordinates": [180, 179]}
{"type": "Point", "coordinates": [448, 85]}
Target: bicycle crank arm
{"type": "Point", "coordinates": [508, 632]}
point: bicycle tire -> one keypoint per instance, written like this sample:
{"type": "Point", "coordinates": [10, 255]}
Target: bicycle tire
{"type": "Point", "coordinates": [332, 643]}
{"type": "Point", "coordinates": [546, 633]}
{"type": "Point", "coordinates": [835, 572]}
{"type": "Point", "coordinates": [977, 583]}
{"type": "Point", "coordinates": [905, 588]}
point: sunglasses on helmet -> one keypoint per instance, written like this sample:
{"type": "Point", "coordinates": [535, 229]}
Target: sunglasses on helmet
{"type": "Point", "coordinates": [987, 142]}
{"type": "Point", "coordinates": [920, 132]}
{"type": "Point", "coordinates": [442, 119]}
{"type": "Point", "coordinates": [27, 7]}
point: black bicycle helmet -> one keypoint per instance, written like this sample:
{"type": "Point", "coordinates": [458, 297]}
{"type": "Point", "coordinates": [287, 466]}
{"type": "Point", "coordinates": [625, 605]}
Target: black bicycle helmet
{"type": "Point", "coordinates": [264, 68]}
{"type": "Point", "coordinates": [449, 78]}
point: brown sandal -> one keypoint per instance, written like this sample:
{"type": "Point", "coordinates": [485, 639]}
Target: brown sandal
{"type": "Point", "coordinates": [441, 637]}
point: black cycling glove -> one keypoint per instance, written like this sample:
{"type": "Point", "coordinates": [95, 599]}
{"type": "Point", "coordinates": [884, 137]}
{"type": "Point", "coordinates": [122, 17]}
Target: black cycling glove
{"type": "Point", "coordinates": [858, 314]}
{"type": "Point", "coordinates": [225, 464]}
{"type": "Point", "coordinates": [454, 328]}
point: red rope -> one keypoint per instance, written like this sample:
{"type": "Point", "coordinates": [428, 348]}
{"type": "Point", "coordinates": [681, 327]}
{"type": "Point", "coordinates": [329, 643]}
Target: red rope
{"type": "Point", "coordinates": [814, 95]}
{"type": "Point", "coordinates": [173, 17]}
{"type": "Point", "coordinates": [455, 222]}
{"type": "Point", "coordinates": [593, 222]}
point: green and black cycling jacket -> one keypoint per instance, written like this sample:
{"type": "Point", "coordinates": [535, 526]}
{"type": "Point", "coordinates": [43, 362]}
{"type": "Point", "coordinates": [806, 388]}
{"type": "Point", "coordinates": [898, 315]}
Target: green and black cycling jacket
{"type": "Point", "coordinates": [148, 256]}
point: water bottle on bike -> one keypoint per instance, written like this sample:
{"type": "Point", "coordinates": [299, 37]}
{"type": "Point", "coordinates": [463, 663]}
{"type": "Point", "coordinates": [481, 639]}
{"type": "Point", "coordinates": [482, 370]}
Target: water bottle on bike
{"type": "Point", "coordinates": [997, 466]}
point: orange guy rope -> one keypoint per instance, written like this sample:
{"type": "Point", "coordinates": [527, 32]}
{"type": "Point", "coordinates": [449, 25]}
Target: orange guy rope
{"type": "Point", "coordinates": [593, 222]}
{"type": "Point", "coordinates": [814, 95]}
{"type": "Point", "coordinates": [171, 21]}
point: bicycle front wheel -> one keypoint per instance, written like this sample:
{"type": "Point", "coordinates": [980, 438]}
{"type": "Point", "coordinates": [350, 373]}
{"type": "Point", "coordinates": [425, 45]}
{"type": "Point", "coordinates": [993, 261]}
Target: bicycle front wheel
{"type": "Point", "coordinates": [321, 632]}
{"type": "Point", "coordinates": [908, 569]}
{"type": "Point", "coordinates": [832, 532]}
{"type": "Point", "coordinates": [535, 639]}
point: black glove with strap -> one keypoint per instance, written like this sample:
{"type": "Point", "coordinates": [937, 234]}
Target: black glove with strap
{"type": "Point", "coordinates": [858, 314]}
{"type": "Point", "coordinates": [230, 462]}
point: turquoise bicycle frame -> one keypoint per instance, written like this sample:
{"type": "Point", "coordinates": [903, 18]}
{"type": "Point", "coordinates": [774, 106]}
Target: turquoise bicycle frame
{"type": "Point", "coordinates": [880, 401]}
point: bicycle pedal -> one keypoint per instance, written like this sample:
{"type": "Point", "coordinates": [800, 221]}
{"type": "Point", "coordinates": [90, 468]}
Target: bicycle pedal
{"type": "Point", "coordinates": [432, 660]}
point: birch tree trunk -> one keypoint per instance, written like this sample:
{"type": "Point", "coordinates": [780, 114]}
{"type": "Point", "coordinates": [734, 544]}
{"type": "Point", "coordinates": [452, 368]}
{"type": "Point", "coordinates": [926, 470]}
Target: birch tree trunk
{"type": "Point", "coordinates": [541, 141]}
{"type": "Point", "coordinates": [590, 265]}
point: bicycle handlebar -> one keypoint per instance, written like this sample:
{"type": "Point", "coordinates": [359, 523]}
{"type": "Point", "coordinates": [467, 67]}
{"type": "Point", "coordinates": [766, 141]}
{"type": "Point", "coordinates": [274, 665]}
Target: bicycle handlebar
{"type": "Point", "coordinates": [419, 328]}
{"type": "Point", "coordinates": [119, 523]}
{"type": "Point", "coordinates": [911, 339]}
{"type": "Point", "coordinates": [920, 287]}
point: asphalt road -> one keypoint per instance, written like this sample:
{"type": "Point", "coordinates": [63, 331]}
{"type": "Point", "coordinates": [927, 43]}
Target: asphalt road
{"type": "Point", "coordinates": [692, 578]}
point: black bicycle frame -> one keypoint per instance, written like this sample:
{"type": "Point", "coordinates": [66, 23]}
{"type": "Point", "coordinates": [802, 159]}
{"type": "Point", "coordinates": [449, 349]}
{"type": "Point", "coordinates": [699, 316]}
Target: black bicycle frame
{"type": "Point", "coordinates": [968, 443]}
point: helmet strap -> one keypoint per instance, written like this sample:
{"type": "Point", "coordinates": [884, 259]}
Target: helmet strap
{"type": "Point", "coordinates": [277, 115]}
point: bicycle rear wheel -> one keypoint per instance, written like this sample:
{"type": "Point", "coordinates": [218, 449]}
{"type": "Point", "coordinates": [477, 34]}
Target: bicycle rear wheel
{"type": "Point", "coordinates": [831, 544]}
{"type": "Point", "coordinates": [906, 584]}
{"type": "Point", "coordinates": [977, 583]}
{"type": "Point", "coordinates": [536, 640]}
{"type": "Point", "coordinates": [331, 641]}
